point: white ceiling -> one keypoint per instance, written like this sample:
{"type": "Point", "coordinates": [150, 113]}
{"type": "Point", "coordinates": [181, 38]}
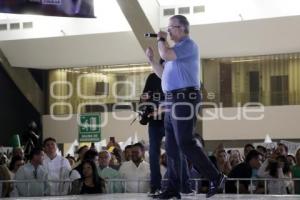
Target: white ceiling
{"type": "Point", "coordinates": [257, 37]}
{"type": "Point", "coordinates": [74, 51]}
{"type": "Point", "coordinates": [247, 38]}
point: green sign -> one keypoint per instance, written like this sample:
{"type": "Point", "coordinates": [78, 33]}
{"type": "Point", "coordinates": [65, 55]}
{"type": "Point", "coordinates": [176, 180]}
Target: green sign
{"type": "Point", "coordinates": [89, 128]}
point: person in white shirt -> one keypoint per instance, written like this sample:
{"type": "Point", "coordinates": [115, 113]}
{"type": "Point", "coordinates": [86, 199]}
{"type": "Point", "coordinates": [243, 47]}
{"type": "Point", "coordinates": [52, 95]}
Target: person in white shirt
{"type": "Point", "coordinates": [35, 173]}
{"type": "Point", "coordinates": [58, 168]}
{"type": "Point", "coordinates": [277, 168]}
{"type": "Point", "coordinates": [136, 171]}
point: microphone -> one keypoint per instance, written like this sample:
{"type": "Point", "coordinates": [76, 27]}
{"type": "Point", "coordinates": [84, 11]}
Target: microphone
{"type": "Point", "coordinates": [148, 35]}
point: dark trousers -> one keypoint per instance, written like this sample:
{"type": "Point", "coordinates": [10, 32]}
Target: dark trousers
{"type": "Point", "coordinates": [186, 185]}
{"type": "Point", "coordinates": [180, 137]}
{"type": "Point", "coordinates": [156, 132]}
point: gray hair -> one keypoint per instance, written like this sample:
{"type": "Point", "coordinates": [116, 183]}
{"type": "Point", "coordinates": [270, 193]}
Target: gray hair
{"type": "Point", "coordinates": [182, 21]}
{"type": "Point", "coordinates": [105, 151]}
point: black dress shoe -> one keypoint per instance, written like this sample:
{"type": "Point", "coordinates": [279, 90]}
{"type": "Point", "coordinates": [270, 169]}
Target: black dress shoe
{"type": "Point", "coordinates": [168, 195]}
{"type": "Point", "coordinates": [215, 186]}
{"type": "Point", "coordinates": [154, 192]}
{"type": "Point", "coordinates": [188, 192]}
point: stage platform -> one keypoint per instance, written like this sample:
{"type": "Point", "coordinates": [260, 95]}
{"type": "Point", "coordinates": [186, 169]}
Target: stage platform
{"type": "Point", "coordinates": [127, 196]}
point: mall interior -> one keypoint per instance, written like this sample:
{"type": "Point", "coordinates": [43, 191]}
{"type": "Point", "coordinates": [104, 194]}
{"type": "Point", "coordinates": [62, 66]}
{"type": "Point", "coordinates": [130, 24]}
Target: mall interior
{"type": "Point", "coordinates": [78, 79]}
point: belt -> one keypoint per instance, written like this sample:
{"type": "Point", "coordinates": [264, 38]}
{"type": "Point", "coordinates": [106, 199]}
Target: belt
{"type": "Point", "coordinates": [186, 89]}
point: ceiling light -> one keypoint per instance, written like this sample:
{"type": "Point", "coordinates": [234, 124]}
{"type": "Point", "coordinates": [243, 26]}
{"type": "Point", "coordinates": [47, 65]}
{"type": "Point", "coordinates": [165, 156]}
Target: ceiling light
{"type": "Point", "coordinates": [246, 60]}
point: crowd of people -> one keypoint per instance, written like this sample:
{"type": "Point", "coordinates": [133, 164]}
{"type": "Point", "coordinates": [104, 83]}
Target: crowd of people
{"type": "Point", "coordinates": [46, 173]}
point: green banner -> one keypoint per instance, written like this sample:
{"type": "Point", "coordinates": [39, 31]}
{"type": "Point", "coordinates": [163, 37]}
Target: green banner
{"type": "Point", "coordinates": [89, 128]}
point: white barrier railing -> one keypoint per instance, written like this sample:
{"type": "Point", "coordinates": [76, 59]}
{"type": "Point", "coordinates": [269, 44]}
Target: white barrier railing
{"type": "Point", "coordinates": [125, 182]}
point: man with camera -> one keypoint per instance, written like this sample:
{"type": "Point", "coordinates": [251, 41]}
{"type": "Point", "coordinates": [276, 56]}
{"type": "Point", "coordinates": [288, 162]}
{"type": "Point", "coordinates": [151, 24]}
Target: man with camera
{"type": "Point", "coordinates": [150, 99]}
{"type": "Point", "coordinates": [153, 115]}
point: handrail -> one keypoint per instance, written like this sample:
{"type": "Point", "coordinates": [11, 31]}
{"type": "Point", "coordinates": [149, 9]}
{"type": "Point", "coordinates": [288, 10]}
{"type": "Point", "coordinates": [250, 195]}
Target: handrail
{"type": "Point", "coordinates": [145, 180]}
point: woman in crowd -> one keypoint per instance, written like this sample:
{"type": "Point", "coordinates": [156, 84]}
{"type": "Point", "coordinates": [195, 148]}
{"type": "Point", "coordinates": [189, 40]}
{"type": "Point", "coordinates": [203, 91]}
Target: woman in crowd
{"type": "Point", "coordinates": [91, 182]}
{"type": "Point", "coordinates": [277, 167]}
{"type": "Point", "coordinates": [223, 163]}
{"type": "Point", "coordinates": [71, 160]}
{"type": "Point", "coordinates": [235, 158]}
{"type": "Point", "coordinates": [15, 163]}
{"type": "Point", "coordinates": [81, 151]}
{"type": "Point", "coordinates": [291, 160]}
{"type": "Point", "coordinates": [92, 155]}
{"type": "Point", "coordinates": [296, 172]}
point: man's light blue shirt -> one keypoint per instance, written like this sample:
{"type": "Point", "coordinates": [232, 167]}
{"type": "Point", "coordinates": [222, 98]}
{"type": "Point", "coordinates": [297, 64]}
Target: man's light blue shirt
{"type": "Point", "coordinates": [184, 71]}
{"type": "Point", "coordinates": [110, 173]}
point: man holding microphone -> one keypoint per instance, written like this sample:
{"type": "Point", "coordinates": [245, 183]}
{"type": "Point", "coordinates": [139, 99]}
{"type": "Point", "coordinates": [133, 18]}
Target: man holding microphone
{"type": "Point", "coordinates": [181, 85]}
